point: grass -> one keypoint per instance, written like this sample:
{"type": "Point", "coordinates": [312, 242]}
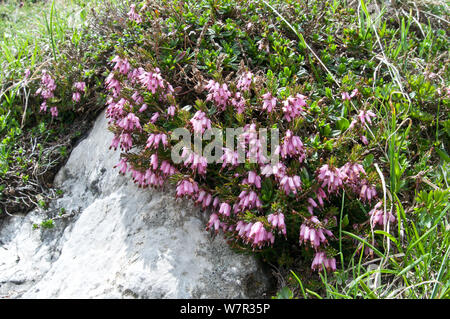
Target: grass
{"type": "Point", "coordinates": [398, 53]}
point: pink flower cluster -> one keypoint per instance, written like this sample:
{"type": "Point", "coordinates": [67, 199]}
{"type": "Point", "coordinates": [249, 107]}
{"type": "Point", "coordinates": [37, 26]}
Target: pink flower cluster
{"type": "Point", "coordinates": [154, 140]}
{"type": "Point", "coordinates": [331, 178]}
{"type": "Point", "coordinates": [204, 198]}
{"type": "Point", "coordinates": [321, 259]}
{"type": "Point", "coordinates": [195, 162]}
{"type": "Point", "coordinates": [363, 118]}
{"type": "Point", "coordinates": [80, 87]}
{"type": "Point", "coordinates": [46, 90]}
{"type": "Point", "coordinates": [238, 102]}
{"type": "Point", "coordinates": [187, 187]}
{"type": "Point", "coordinates": [219, 94]}
{"type": "Point", "coordinates": [152, 80]}
{"type": "Point", "coordinates": [277, 222]}
{"type": "Point", "coordinates": [377, 216]}
{"type": "Point", "coordinates": [269, 102]}
{"type": "Point", "coordinates": [255, 145]}
{"type": "Point", "coordinates": [290, 184]}
{"type": "Point", "coordinates": [133, 15]}
{"type": "Point", "coordinates": [293, 107]}
{"type": "Point", "coordinates": [130, 122]}
{"type": "Point", "coordinates": [348, 97]}
{"type": "Point", "coordinates": [291, 146]}
{"type": "Point", "coordinates": [312, 231]}
{"type": "Point", "coordinates": [248, 199]}
{"type": "Point", "coordinates": [254, 234]}
{"type": "Point", "coordinates": [200, 122]}
{"type": "Point", "coordinates": [121, 65]}
{"type": "Point", "coordinates": [252, 179]}
{"type": "Point", "coordinates": [245, 81]}
{"type": "Point", "coordinates": [229, 157]}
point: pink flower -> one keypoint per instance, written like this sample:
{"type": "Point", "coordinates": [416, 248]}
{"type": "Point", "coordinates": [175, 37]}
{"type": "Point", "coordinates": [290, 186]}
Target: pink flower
{"type": "Point", "coordinates": [80, 86]}
{"type": "Point", "coordinates": [194, 161]}
{"type": "Point", "coordinates": [346, 96]}
{"type": "Point", "coordinates": [214, 221]}
{"type": "Point", "coordinates": [76, 97]}
{"type": "Point", "coordinates": [362, 118]}
{"type": "Point", "coordinates": [238, 102]}
{"type": "Point", "coordinates": [200, 122]}
{"type": "Point", "coordinates": [154, 117]}
{"type": "Point", "coordinates": [47, 86]}
{"type": "Point", "coordinates": [154, 140]}
{"type": "Point", "coordinates": [291, 184]}
{"type": "Point", "coordinates": [130, 122]}
{"type": "Point", "coordinates": [293, 107]}
{"type": "Point", "coordinates": [151, 80]}
{"type": "Point", "coordinates": [331, 177]}
{"type": "Point", "coordinates": [154, 161]}
{"type": "Point", "coordinates": [320, 260]}
{"type": "Point", "coordinates": [354, 93]}
{"type": "Point", "coordinates": [167, 169]}
{"type": "Point", "coordinates": [278, 170]}
{"type": "Point", "coordinates": [252, 179]}
{"type": "Point", "coordinates": [364, 140]}
{"type": "Point", "coordinates": [245, 81]}
{"type": "Point", "coordinates": [121, 64]}
{"type": "Point", "coordinates": [219, 94]}
{"type": "Point", "coordinates": [225, 209]}
{"type": "Point", "coordinates": [352, 174]}
{"type": "Point", "coordinates": [311, 231]}
{"type": "Point", "coordinates": [115, 142]}
{"type": "Point", "coordinates": [377, 216]}
{"type": "Point", "coordinates": [203, 198]}
{"type": "Point", "coordinates": [133, 16]}
{"type": "Point", "coordinates": [365, 116]}
{"type": "Point", "coordinates": [277, 221]}
{"type": "Point", "coordinates": [269, 102]}
{"type": "Point", "coordinates": [113, 85]}
{"type": "Point", "coordinates": [320, 195]}
{"type": "Point", "coordinates": [291, 146]}
{"type": "Point", "coordinates": [43, 107]}
{"type": "Point", "coordinates": [126, 141]}
{"type": "Point", "coordinates": [254, 233]}
{"type": "Point", "coordinates": [153, 179]}
{"type": "Point", "coordinates": [122, 165]}
{"type": "Point", "coordinates": [229, 157]}
{"type": "Point", "coordinates": [368, 192]}
{"type": "Point", "coordinates": [248, 199]}
{"type": "Point", "coordinates": [137, 98]}
{"type": "Point", "coordinates": [26, 74]}
{"type": "Point", "coordinates": [143, 108]}
{"type": "Point", "coordinates": [255, 147]}
{"type": "Point", "coordinates": [171, 110]}
{"type": "Point", "coordinates": [186, 187]}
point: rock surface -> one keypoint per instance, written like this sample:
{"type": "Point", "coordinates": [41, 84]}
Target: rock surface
{"type": "Point", "coordinates": [118, 241]}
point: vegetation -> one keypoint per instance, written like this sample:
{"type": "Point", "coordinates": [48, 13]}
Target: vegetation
{"type": "Point", "coordinates": [365, 87]}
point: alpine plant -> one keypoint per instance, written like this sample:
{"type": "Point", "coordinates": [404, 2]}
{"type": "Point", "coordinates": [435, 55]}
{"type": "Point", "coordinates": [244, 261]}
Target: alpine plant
{"type": "Point", "coordinates": [255, 203]}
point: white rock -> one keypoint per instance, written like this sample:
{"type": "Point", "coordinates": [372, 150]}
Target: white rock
{"type": "Point", "coordinates": [122, 242]}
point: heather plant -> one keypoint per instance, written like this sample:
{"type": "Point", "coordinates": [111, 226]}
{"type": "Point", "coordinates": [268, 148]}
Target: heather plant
{"type": "Point", "coordinates": [257, 204]}
{"type": "Point", "coordinates": [314, 134]}
{"type": "Point", "coordinates": [338, 122]}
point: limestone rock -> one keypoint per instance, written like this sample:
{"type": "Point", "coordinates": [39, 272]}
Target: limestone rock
{"type": "Point", "coordinates": [119, 241]}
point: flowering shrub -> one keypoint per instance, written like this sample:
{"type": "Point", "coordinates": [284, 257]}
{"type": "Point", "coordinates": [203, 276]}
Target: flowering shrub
{"type": "Point", "coordinates": [254, 201]}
